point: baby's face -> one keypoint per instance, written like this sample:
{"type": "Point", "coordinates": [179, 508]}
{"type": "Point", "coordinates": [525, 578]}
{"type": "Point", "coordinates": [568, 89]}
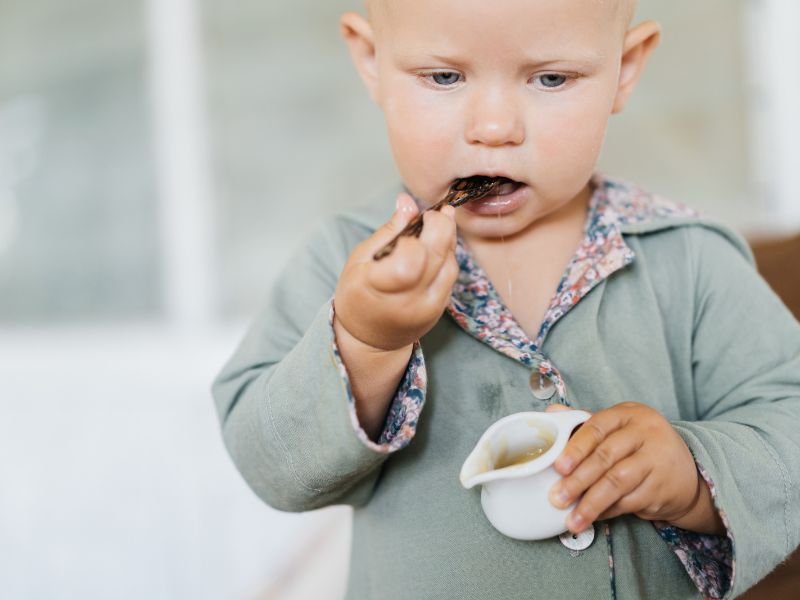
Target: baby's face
{"type": "Point", "coordinates": [519, 88]}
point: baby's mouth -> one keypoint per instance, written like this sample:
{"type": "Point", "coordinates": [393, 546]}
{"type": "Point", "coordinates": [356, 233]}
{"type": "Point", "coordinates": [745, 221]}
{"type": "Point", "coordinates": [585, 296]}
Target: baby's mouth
{"type": "Point", "coordinates": [479, 192]}
{"type": "Point", "coordinates": [478, 187]}
{"type": "Point", "coordinates": [482, 195]}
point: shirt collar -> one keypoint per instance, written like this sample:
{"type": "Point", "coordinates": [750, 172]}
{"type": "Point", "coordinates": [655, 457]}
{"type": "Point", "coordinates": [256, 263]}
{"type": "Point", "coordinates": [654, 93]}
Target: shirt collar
{"type": "Point", "coordinates": [614, 205]}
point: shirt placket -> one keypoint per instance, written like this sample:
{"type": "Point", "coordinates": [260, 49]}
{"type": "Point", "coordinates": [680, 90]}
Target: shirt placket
{"type": "Point", "coordinates": [478, 309]}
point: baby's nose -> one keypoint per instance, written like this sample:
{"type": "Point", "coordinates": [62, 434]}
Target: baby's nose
{"type": "Point", "coordinates": [495, 120]}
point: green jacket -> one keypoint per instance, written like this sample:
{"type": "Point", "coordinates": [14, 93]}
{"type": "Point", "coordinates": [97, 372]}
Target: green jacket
{"type": "Point", "coordinates": [687, 327]}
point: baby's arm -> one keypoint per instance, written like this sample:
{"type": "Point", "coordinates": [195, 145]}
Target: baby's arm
{"type": "Point", "coordinates": [284, 398]}
{"type": "Point", "coordinates": [743, 440]}
{"type": "Point", "coordinates": [383, 307]}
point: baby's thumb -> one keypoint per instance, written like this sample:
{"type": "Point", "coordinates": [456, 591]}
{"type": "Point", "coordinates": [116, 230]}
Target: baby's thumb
{"type": "Point", "coordinates": [404, 210]}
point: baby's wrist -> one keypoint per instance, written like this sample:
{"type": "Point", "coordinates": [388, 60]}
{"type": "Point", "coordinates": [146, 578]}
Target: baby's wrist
{"type": "Point", "coordinates": [702, 516]}
{"type": "Point", "coordinates": [374, 375]}
{"type": "Point", "coordinates": [346, 339]}
{"type": "Point", "coordinates": [363, 339]}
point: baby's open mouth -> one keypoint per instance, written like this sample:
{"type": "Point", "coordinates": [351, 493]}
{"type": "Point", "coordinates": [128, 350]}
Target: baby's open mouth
{"type": "Point", "coordinates": [478, 187]}
{"type": "Point", "coordinates": [479, 192]}
{"type": "Point", "coordinates": [501, 196]}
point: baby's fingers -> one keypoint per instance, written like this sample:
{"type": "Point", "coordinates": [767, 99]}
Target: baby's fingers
{"type": "Point", "coordinates": [590, 435]}
{"type": "Point", "coordinates": [442, 287]}
{"type": "Point", "coordinates": [402, 270]}
{"type": "Point", "coordinates": [405, 210]}
{"type": "Point", "coordinates": [403, 267]}
{"type": "Point", "coordinates": [616, 490]}
{"type": "Point", "coordinates": [597, 466]}
{"type": "Point", "coordinates": [439, 238]}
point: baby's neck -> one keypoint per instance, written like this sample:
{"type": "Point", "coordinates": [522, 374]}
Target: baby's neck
{"type": "Point", "coordinates": [526, 269]}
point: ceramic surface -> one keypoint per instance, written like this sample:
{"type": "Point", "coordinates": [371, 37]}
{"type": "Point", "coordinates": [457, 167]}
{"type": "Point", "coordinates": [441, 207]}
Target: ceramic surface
{"type": "Point", "coordinates": [513, 461]}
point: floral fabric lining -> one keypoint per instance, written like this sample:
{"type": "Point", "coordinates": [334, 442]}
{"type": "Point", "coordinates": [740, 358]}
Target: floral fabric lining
{"type": "Point", "coordinates": [708, 558]}
{"type": "Point", "coordinates": [477, 308]}
{"type": "Point", "coordinates": [401, 421]}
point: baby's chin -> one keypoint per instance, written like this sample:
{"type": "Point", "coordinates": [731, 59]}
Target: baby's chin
{"type": "Point", "coordinates": [494, 227]}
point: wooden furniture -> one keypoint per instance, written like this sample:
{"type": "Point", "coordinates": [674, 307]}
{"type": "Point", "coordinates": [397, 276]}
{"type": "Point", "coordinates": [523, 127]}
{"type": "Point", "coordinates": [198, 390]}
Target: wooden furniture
{"type": "Point", "coordinates": [779, 263]}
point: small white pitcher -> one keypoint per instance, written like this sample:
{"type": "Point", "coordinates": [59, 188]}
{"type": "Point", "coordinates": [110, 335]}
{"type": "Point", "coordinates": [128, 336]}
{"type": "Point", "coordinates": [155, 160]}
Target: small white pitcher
{"type": "Point", "coordinates": [513, 461]}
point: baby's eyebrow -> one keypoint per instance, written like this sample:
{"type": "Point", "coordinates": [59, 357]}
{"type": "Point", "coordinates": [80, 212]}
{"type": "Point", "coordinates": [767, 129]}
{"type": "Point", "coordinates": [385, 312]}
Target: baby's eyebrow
{"type": "Point", "coordinates": [588, 59]}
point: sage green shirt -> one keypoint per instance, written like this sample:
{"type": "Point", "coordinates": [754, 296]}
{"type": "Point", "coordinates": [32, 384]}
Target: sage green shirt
{"type": "Point", "coordinates": [687, 327]}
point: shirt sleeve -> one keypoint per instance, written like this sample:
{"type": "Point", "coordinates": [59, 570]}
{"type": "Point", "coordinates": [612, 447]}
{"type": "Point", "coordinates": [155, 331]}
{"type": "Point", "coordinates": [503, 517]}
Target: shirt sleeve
{"type": "Point", "coordinates": [401, 419]}
{"type": "Point", "coordinates": [283, 403]}
{"type": "Point", "coordinates": [707, 558]}
{"type": "Point", "coordinates": [746, 372]}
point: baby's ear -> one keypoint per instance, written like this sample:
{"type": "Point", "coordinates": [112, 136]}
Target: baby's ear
{"type": "Point", "coordinates": [358, 34]}
{"type": "Point", "coordinates": [638, 46]}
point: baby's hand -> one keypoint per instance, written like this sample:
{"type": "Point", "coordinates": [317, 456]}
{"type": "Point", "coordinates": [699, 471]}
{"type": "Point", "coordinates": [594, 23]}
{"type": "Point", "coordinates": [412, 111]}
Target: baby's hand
{"type": "Point", "coordinates": [391, 303]}
{"type": "Point", "coordinates": [626, 459]}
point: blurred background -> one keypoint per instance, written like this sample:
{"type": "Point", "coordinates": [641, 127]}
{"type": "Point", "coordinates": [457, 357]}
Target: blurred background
{"type": "Point", "coordinates": [158, 162]}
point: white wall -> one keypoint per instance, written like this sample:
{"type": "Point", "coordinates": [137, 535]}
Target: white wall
{"type": "Point", "coordinates": [115, 481]}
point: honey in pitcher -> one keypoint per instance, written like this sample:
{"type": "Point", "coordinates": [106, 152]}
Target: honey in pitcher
{"type": "Point", "coordinates": [510, 460]}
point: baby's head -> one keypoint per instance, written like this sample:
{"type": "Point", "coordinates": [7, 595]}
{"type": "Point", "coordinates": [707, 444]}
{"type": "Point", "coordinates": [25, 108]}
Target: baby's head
{"type": "Point", "coordinates": [519, 88]}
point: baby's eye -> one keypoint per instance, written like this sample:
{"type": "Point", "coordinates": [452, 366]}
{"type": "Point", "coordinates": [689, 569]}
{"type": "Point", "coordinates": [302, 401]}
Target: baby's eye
{"type": "Point", "coordinates": [551, 80]}
{"type": "Point", "coordinates": [444, 78]}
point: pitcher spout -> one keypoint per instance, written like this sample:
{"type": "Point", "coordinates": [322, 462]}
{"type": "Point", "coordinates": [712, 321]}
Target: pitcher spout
{"type": "Point", "coordinates": [514, 459]}
{"type": "Point", "coordinates": [478, 468]}
{"type": "Point", "coordinates": [515, 446]}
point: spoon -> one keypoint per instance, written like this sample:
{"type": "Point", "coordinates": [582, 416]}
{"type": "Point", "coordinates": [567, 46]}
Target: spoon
{"type": "Point", "coordinates": [463, 190]}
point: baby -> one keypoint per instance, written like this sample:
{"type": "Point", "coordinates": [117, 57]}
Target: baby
{"type": "Point", "coordinates": [562, 289]}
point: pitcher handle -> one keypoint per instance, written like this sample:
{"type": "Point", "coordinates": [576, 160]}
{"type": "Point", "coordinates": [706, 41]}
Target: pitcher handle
{"type": "Point", "coordinates": [572, 418]}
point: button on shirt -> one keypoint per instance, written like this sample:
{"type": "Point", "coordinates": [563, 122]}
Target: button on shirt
{"type": "Point", "coordinates": [542, 387]}
{"type": "Point", "coordinates": [578, 541]}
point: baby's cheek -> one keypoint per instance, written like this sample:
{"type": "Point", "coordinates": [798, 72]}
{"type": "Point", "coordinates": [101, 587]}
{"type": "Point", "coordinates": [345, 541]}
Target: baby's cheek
{"type": "Point", "coordinates": [567, 154]}
{"type": "Point", "coordinates": [421, 145]}
{"type": "Point", "coordinates": [572, 135]}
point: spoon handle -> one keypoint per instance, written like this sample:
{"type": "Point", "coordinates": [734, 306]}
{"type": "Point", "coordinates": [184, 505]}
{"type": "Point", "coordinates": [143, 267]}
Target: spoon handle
{"type": "Point", "coordinates": [461, 192]}
{"type": "Point", "coordinates": [414, 228]}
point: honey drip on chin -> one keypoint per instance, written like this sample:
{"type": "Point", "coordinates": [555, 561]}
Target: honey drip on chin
{"type": "Point", "coordinates": [510, 301]}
